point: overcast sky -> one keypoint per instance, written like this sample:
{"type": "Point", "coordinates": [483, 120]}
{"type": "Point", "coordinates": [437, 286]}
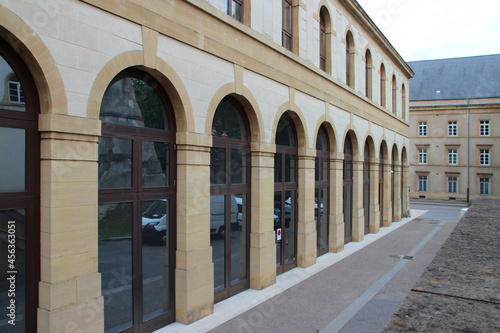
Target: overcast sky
{"type": "Point", "coordinates": [437, 29]}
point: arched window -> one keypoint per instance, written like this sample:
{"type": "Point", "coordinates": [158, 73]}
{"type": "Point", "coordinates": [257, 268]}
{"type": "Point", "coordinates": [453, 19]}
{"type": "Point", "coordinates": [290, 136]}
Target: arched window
{"type": "Point", "coordinates": [322, 185]}
{"type": "Point", "coordinates": [366, 186]}
{"type": "Point", "coordinates": [349, 56]}
{"type": "Point", "coordinates": [348, 188]}
{"type": "Point", "coordinates": [19, 193]}
{"type": "Point", "coordinates": [230, 199]}
{"type": "Point", "coordinates": [394, 95]}
{"type": "Point", "coordinates": [322, 40]}
{"type": "Point", "coordinates": [393, 180]}
{"type": "Point", "coordinates": [403, 101]}
{"type": "Point", "coordinates": [136, 177]}
{"type": "Point", "coordinates": [325, 40]}
{"type": "Point", "coordinates": [382, 86]}
{"type": "Point", "coordinates": [368, 74]}
{"type": "Point", "coordinates": [286, 30]}
{"type": "Point", "coordinates": [285, 194]}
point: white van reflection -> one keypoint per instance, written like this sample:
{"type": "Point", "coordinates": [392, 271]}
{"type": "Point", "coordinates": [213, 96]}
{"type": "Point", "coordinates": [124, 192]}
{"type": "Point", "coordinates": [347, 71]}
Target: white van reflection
{"type": "Point", "coordinates": [154, 223]}
{"type": "Point", "coordinates": [217, 214]}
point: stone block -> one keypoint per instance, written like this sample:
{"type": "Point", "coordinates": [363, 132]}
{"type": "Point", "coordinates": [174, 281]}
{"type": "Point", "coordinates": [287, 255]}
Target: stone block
{"type": "Point", "coordinates": [59, 269]}
{"type": "Point", "coordinates": [88, 287]}
{"type": "Point", "coordinates": [57, 295]}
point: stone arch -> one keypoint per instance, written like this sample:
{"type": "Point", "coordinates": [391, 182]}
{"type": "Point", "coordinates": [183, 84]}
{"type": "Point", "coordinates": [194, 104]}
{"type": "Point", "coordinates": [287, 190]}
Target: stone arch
{"type": "Point", "coordinates": [352, 132]}
{"type": "Point", "coordinates": [298, 120]}
{"type": "Point", "coordinates": [19, 35]}
{"type": "Point", "coordinates": [249, 104]}
{"type": "Point", "coordinates": [368, 139]}
{"type": "Point", "coordinates": [330, 130]}
{"type": "Point", "coordinates": [163, 74]}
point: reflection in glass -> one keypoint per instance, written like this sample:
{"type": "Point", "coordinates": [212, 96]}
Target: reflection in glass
{"type": "Point", "coordinates": [228, 122]}
{"type": "Point", "coordinates": [133, 102]}
{"type": "Point", "coordinates": [13, 159]}
{"type": "Point", "coordinates": [239, 241]}
{"type": "Point", "coordinates": [115, 163]}
{"type": "Point", "coordinates": [217, 240]}
{"type": "Point", "coordinates": [217, 166]}
{"type": "Point", "coordinates": [278, 216]}
{"type": "Point", "coordinates": [155, 164]}
{"type": "Point", "coordinates": [13, 232]}
{"type": "Point", "coordinates": [277, 168]}
{"type": "Point", "coordinates": [236, 11]}
{"type": "Point", "coordinates": [321, 216]}
{"type": "Point", "coordinates": [290, 226]}
{"type": "Point", "coordinates": [238, 166]}
{"type": "Point", "coordinates": [115, 264]}
{"type": "Point", "coordinates": [290, 163]}
{"type": "Point", "coordinates": [155, 258]}
{"type": "Point", "coordinates": [285, 133]}
{"type": "Point", "coordinates": [13, 88]}
{"type": "Point", "coordinates": [324, 168]}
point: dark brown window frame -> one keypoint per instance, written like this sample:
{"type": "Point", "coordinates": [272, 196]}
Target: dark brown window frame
{"type": "Point", "coordinates": [322, 40]}
{"type": "Point", "coordinates": [284, 32]}
{"type": "Point", "coordinates": [322, 184]}
{"type": "Point", "coordinates": [348, 180]}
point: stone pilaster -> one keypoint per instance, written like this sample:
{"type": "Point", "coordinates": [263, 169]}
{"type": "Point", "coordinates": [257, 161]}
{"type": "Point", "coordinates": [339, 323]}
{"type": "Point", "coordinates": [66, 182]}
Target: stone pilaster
{"type": "Point", "coordinates": [194, 273]}
{"type": "Point", "coordinates": [387, 222]}
{"type": "Point", "coordinates": [358, 212]}
{"type": "Point", "coordinates": [262, 242]}
{"type": "Point", "coordinates": [374, 193]}
{"type": "Point", "coordinates": [70, 285]}
{"type": "Point", "coordinates": [336, 230]}
{"type": "Point", "coordinates": [306, 226]}
{"type": "Point", "coordinates": [406, 191]}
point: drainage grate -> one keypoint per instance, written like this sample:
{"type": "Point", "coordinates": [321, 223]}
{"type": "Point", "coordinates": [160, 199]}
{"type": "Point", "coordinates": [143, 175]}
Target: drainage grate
{"type": "Point", "coordinates": [408, 257]}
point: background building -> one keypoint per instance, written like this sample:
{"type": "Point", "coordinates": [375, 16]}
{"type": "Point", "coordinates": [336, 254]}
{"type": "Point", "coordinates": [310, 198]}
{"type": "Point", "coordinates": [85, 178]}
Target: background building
{"type": "Point", "coordinates": [160, 156]}
{"type": "Point", "coordinates": [454, 114]}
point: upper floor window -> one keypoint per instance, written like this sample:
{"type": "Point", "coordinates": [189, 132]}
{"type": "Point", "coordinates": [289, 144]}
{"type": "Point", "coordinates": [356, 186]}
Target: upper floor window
{"type": "Point", "coordinates": [484, 186]}
{"type": "Point", "coordinates": [322, 41]}
{"type": "Point", "coordinates": [452, 184]}
{"type": "Point", "coordinates": [422, 128]}
{"type": "Point", "coordinates": [394, 95]}
{"type": "Point", "coordinates": [16, 93]}
{"type": "Point", "coordinates": [382, 85]}
{"type": "Point", "coordinates": [349, 58]}
{"type": "Point", "coordinates": [452, 156]}
{"type": "Point", "coordinates": [234, 8]}
{"type": "Point", "coordinates": [484, 157]}
{"type": "Point", "coordinates": [286, 34]}
{"type": "Point", "coordinates": [403, 101]}
{"type": "Point", "coordinates": [422, 156]}
{"type": "Point", "coordinates": [452, 128]}
{"type": "Point", "coordinates": [484, 128]}
{"type": "Point", "coordinates": [422, 183]}
{"type": "Point", "coordinates": [368, 74]}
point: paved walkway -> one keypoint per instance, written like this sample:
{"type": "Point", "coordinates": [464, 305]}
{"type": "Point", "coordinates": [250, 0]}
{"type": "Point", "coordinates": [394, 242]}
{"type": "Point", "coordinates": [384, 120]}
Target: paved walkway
{"type": "Point", "coordinates": [356, 290]}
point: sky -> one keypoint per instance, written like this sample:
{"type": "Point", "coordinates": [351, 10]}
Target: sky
{"type": "Point", "coordinates": [438, 29]}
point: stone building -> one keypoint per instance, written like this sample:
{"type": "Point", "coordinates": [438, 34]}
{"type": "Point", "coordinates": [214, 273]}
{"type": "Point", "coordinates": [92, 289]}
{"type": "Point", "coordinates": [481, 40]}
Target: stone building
{"type": "Point", "coordinates": [160, 156]}
{"type": "Point", "coordinates": [454, 110]}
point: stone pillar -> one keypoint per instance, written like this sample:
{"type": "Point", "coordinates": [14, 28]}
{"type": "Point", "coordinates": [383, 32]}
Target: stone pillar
{"type": "Point", "coordinates": [358, 212]}
{"type": "Point", "coordinates": [406, 191]}
{"type": "Point", "coordinates": [387, 194]}
{"type": "Point", "coordinates": [70, 285]}
{"type": "Point", "coordinates": [262, 242]}
{"type": "Point", "coordinates": [397, 192]}
{"type": "Point", "coordinates": [194, 273]}
{"type": "Point", "coordinates": [336, 230]}
{"type": "Point", "coordinates": [374, 206]}
{"type": "Point", "coordinates": [306, 226]}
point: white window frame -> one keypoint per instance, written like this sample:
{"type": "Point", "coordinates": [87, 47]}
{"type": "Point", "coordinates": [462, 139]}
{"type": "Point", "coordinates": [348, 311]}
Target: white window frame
{"type": "Point", "coordinates": [452, 156]}
{"type": "Point", "coordinates": [16, 94]}
{"type": "Point", "coordinates": [422, 183]}
{"type": "Point", "coordinates": [484, 186]}
{"type": "Point", "coordinates": [452, 184]}
{"type": "Point", "coordinates": [452, 128]}
{"type": "Point", "coordinates": [422, 156]}
{"type": "Point", "coordinates": [484, 157]}
{"type": "Point", "coordinates": [422, 128]}
{"type": "Point", "coordinates": [484, 128]}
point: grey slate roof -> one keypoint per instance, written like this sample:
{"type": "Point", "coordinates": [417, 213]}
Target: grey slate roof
{"type": "Point", "coordinates": [455, 78]}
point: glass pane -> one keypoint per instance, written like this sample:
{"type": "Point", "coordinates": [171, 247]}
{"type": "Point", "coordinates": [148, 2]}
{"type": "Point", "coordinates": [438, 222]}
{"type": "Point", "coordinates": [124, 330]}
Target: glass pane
{"type": "Point", "coordinates": [287, 42]}
{"type": "Point", "coordinates": [133, 102]}
{"type": "Point", "coordinates": [277, 168]}
{"type": "Point", "coordinates": [287, 19]}
{"type": "Point", "coordinates": [290, 165]}
{"type": "Point", "coordinates": [155, 164]}
{"type": "Point", "coordinates": [115, 163]}
{"type": "Point", "coordinates": [228, 122]}
{"type": "Point", "coordinates": [321, 140]}
{"type": "Point", "coordinates": [285, 133]}
{"type": "Point", "coordinates": [13, 250]}
{"type": "Point", "coordinates": [317, 171]}
{"type": "Point", "coordinates": [13, 159]}
{"type": "Point", "coordinates": [115, 264]}
{"type": "Point", "coordinates": [239, 238]}
{"type": "Point", "coordinates": [278, 216]}
{"type": "Point", "coordinates": [289, 226]}
{"type": "Point", "coordinates": [324, 168]}
{"type": "Point", "coordinates": [10, 83]}
{"type": "Point", "coordinates": [155, 258]}
{"type": "Point", "coordinates": [321, 208]}
{"type": "Point", "coordinates": [217, 240]}
{"type": "Point", "coordinates": [236, 11]}
{"type": "Point", "coordinates": [217, 166]}
{"type": "Point", "coordinates": [239, 164]}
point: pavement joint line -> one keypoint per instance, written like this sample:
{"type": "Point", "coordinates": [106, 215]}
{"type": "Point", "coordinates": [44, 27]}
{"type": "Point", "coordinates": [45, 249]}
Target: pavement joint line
{"type": "Point", "coordinates": [250, 298]}
{"type": "Point", "coordinates": [422, 291]}
{"type": "Point", "coordinates": [345, 316]}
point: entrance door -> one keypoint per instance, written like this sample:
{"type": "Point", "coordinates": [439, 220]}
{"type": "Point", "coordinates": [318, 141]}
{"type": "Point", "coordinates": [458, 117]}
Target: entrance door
{"type": "Point", "coordinates": [366, 188]}
{"type": "Point", "coordinates": [19, 194]}
{"type": "Point", "coordinates": [348, 182]}
{"type": "Point", "coordinates": [137, 212]}
{"type": "Point", "coordinates": [321, 197]}
{"type": "Point", "coordinates": [285, 195]}
{"type": "Point", "coordinates": [393, 184]}
{"type": "Point", "coordinates": [381, 188]}
{"type": "Point", "coordinates": [230, 199]}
